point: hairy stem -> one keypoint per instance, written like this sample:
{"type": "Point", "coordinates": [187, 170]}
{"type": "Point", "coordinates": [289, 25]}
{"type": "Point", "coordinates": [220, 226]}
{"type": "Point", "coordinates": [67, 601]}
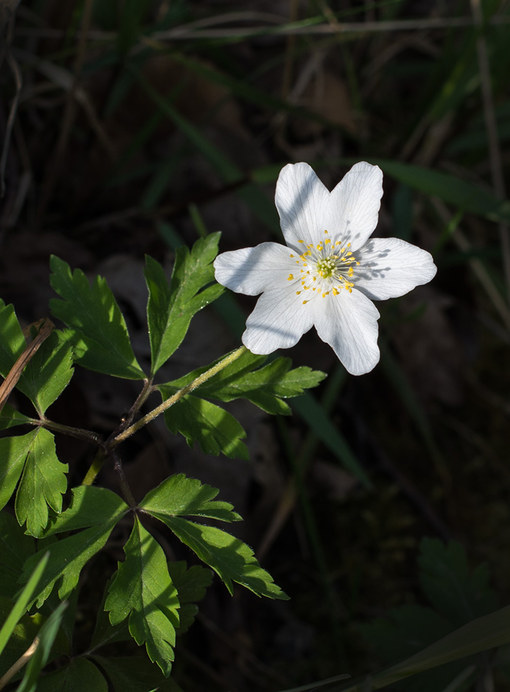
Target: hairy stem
{"type": "Point", "coordinates": [177, 396]}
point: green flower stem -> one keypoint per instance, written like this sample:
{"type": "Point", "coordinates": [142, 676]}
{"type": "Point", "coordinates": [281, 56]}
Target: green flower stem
{"type": "Point", "coordinates": [95, 467]}
{"type": "Point", "coordinates": [177, 396]}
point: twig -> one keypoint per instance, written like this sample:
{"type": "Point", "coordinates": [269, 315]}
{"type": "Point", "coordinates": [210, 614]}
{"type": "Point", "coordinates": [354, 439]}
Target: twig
{"type": "Point", "coordinates": [18, 665]}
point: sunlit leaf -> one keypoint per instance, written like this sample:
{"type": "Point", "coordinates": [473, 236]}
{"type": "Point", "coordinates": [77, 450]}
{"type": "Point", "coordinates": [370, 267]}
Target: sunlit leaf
{"type": "Point", "coordinates": [91, 311]}
{"type": "Point", "coordinates": [43, 481]}
{"type": "Point", "coordinates": [229, 557]}
{"type": "Point", "coordinates": [181, 496]}
{"type": "Point", "coordinates": [172, 304]}
{"type": "Point", "coordinates": [143, 592]}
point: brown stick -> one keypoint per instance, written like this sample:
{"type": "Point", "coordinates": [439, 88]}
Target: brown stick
{"type": "Point", "coordinates": [46, 327]}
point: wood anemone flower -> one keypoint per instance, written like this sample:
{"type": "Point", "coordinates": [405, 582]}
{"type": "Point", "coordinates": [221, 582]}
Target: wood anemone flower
{"type": "Point", "coordinates": [330, 271]}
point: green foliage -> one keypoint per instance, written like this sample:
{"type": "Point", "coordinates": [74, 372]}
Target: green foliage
{"type": "Point", "coordinates": [181, 496]}
{"type": "Point", "coordinates": [91, 311]}
{"type": "Point", "coordinates": [43, 477]}
{"type": "Point", "coordinates": [69, 555]}
{"type": "Point", "coordinates": [48, 372]}
{"type": "Point", "coordinates": [12, 341]}
{"type": "Point", "coordinates": [172, 305]}
{"type": "Point", "coordinates": [229, 557]}
{"type": "Point", "coordinates": [215, 430]}
{"type": "Point", "coordinates": [142, 591]}
{"type": "Point", "coordinates": [248, 377]}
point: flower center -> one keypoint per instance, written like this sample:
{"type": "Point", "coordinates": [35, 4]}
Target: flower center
{"type": "Point", "coordinates": [324, 268]}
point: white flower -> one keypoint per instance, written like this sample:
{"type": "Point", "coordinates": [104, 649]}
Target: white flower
{"type": "Point", "coordinates": [330, 271]}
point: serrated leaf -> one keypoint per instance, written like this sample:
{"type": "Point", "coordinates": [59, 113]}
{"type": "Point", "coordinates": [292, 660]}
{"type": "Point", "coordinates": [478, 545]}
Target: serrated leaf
{"type": "Point", "coordinates": [215, 430]}
{"type": "Point", "coordinates": [13, 452]}
{"type": "Point", "coordinates": [12, 341]}
{"type": "Point", "coordinates": [229, 557]}
{"type": "Point", "coordinates": [171, 306]}
{"type": "Point", "coordinates": [80, 675]}
{"type": "Point", "coordinates": [48, 372]}
{"type": "Point", "coordinates": [90, 506]}
{"type": "Point", "coordinates": [134, 674]}
{"type": "Point", "coordinates": [91, 311]}
{"type": "Point", "coordinates": [68, 556]}
{"type": "Point", "coordinates": [10, 418]}
{"type": "Point", "coordinates": [182, 496]}
{"type": "Point", "coordinates": [451, 587]}
{"type": "Point", "coordinates": [42, 484]}
{"type": "Point", "coordinates": [143, 592]}
{"type": "Point", "coordinates": [191, 585]}
{"type": "Point", "coordinates": [247, 377]}
{"type": "Point", "coordinates": [97, 510]}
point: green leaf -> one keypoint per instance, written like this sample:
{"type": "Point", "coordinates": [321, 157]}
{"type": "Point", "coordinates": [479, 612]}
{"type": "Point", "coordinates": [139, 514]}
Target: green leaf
{"type": "Point", "coordinates": [10, 418]}
{"type": "Point", "coordinates": [171, 306]}
{"type": "Point", "coordinates": [43, 482]}
{"type": "Point", "coordinates": [81, 675]}
{"type": "Point", "coordinates": [230, 558]}
{"type": "Point", "coordinates": [134, 674]}
{"type": "Point", "coordinates": [264, 385]}
{"type": "Point", "coordinates": [39, 659]}
{"type": "Point", "coordinates": [451, 587]}
{"type": "Point", "coordinates": [67, 558]}
{"type": "Point", "coordinates": [20, 606]}
{"type": "Point", "coordinates": [15, 548]}
{"type": "Point", "coordinates": [13, 452]}
{"type": "Point", "coordinates": [143, 591]}
{"type": "Point", "coordinates": [90, 506]}
{"type": "Point", "coordinates": [48, 372]}
{"type": "Point", "coordinates": [12, 341]}
{"type": "Point", "coordinates": [91, 311]}
{"type": "Point", "coordinates": [181, 496]}
{"type": "Point", "coordinates": [213, 428]}
{"type": "Point", "coordinates": [191, 585]}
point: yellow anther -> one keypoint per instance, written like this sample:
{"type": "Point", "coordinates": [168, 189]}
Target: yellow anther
{"type": "Point", "coordinates": [290, 277]}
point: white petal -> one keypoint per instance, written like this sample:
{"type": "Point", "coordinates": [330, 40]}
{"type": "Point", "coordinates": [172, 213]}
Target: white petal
{"type": "Point", "coordinates": [301, 200]}
{"type": "Point", "coordinates": [279, 320]}
{"type": "Point", "coordinates": [354, 205]}
{"type": "Point", "coordinates": [348, 323]}
{"type": "Point", "coordinates": [253, 269]}
{"type": "Point", "coordinates": [390, 267]}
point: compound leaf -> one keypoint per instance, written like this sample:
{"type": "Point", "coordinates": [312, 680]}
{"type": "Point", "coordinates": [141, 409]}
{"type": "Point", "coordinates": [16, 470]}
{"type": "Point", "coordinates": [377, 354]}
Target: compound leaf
{"type": "Point", "coordinates": [213, 428]}
{"type": "Point", "coordinates": [172, 305]}
{"type": "Point", "coordinates": [265, 385]}
{"type": "Point", "coordinates": [43, 481]}
{"type": "Point", "coordinates": [91, 311]}
{"type": "Point", "coordinates": [10, 418]}
{"type": "Point", "coordinates": [229, 557]}
{"type": "Point", "coordinates": [143, 592]}
{"type": "Point", "coordinates": [178, 495]}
